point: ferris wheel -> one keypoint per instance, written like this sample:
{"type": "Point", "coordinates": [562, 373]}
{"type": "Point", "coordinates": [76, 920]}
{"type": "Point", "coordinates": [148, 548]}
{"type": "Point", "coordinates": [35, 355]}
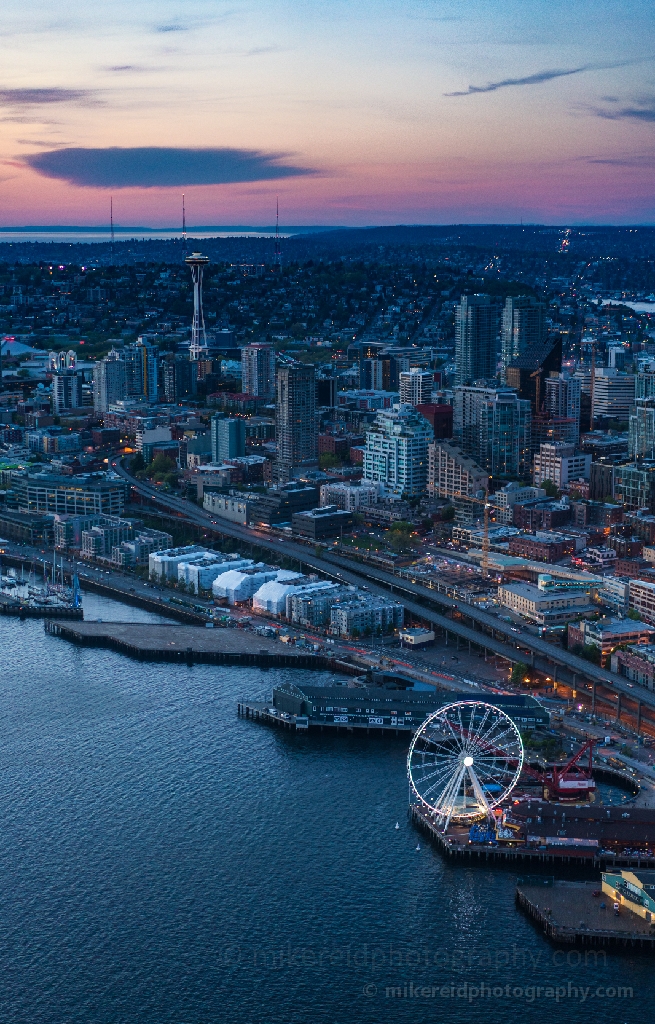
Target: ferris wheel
{"type": "Point", "coordinates": [464, 760]}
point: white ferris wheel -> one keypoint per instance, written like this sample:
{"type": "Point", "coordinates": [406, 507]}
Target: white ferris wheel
{"type": "Point", "coordinates": [464, 760]}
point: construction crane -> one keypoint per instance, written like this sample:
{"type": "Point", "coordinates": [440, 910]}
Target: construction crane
{"type": "Point", "coordinates": [485, 533]}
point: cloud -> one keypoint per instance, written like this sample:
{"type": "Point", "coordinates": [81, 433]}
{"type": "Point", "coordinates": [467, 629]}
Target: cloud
{"type": "Point", "coordinates": [641, 110]}
{"type": "Point", "coordinates": [159, 167]}
{"type": "Point", "coordinates": [542, 76]}
{"type": "Point", "coordinates": [36, 97]}
{"type": "Point", "coordinates": [171, 28]}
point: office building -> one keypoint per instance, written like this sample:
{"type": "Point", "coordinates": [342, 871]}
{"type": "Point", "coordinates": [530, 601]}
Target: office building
{"type": "Point", "coordinates": [543, 606]}
{"type": "Point", "coordinates": [296, 427]}
{"type": "Point", "coordinates": [528, 372]}
{"type": "Point", "coordinates": [613, 394]}
{"type": "Point", "coordinates": [351, 497]}
{"type": "Point", "coordinates": [86, 494]}
{"type": "Point", "coordinates": [396, 453]}
{"type": "Point", "coordinates": [493, 427]}
{"type": "Point", "coordinates": [66, 391]}
{"type": "Point", "coordinates": [108, 381]}
{"type": "Point", "coordinates": [228, 439]}
{"type": "Point", "coordinates": [560, 463]}
{"type": "Point", "coordinates": [416, 387]}
{"type": "Point", "coordinates": [258, 370]}
{"type": "Point", "coordinates": [452, 472]}
{"type": "Point", "coordinates": [523, 327]}
{"type": "Point", "coordinates": [477, 321]}
{"type": "Point", "coordinates": [634, 485]}
{"type": "Point", "coordinates": [321, 523]}
{"type": "Point", "coordinates": [371, 376]}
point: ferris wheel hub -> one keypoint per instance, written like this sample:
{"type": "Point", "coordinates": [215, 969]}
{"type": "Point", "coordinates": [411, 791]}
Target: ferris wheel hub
{"type": "Point", "coordinates": [468, 761]}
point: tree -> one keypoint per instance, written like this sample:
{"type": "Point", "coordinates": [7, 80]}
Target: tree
{"type": "Point", "coordinates": [518, 672]}
{"type": "Point", "coordinates": [328, 460]}
{"type": "Point", "coordinates": [448, 513]}
{"type": "Point", "coordinates": [632, 614]}
{"type": "Point", "coordinates": [399, 541]}
{"type": "Point", "coordinates": [138, 462]}
{"type": "Point", "coordinates": [550, 488]}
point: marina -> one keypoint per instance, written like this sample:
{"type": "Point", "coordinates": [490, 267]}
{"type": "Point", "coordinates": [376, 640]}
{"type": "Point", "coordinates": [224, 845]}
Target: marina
{"type": "Point", "coordinates": [25, 596]}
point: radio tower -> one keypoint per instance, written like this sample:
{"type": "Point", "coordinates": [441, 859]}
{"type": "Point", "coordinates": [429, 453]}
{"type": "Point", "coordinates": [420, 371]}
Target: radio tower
{"type": "Point", "coordinates": [111, 221]}
{"type": "Point", "coordinates": [277, 256]}
{"type": "Point", "coordinates": [183, 227]}
{"type": "Point", "coordinates": [197, 263]}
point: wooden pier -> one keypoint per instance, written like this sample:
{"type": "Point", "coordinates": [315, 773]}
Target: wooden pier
{"type": "Point", "coordinates": [190, 645]}
{"type": "Point", "coordinates": [455, 845]}
{"type": "Point", "coordinates": [569, 913]}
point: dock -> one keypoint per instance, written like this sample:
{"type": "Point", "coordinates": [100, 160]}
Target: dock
{"type": "Point", "coordinates": [569, 913]}
{"type": "Point", "coordinates": [190, 644]}
{"type": "Point", "coordinates": [455, 845]}
{"type": "Point", "coordinates": [30, 610]}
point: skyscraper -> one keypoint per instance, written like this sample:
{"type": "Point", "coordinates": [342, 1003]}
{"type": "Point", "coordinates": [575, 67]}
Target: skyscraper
{"type": "Point", "coordinates": [296, 429]}
{"type": "Point", "coordinates": [66, 391]}
{"type": "Point", "coordinates": [493, 426]}
{"type": "Point", "coordinates": [258, 370]}
{"type": "Point", "coordinates": [476, 339]}
{"type": "Point", "coordinates": [108, 381]}
{"type": "Point", "coordinates": [141, 368]}
{"type": "Point", "coordinates": [228, 438]}
{"type": "Point", "coordinates": [562, 399]}
{"type": "Point", "coordinates": [523, 326]}
{"type": "Point", "coordinates": [416, 386]}
{"type": "Point", "coordinates": [180, 378]}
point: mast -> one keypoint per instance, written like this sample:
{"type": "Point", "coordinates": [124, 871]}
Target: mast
{"type": "Point", "coordinates": [183, 227]}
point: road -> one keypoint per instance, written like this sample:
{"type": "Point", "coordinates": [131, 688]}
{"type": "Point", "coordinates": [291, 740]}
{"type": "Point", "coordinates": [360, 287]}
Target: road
{"type": "Point", "coordinates": [492, 633]}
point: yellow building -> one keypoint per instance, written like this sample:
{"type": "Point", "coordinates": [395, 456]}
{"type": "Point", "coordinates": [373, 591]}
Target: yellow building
{"type": "Point", "coordinates": [634, 892]}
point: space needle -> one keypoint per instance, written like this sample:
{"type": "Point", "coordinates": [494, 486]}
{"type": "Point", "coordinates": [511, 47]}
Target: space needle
{"type": "Point", "coordinates": [197, 262]}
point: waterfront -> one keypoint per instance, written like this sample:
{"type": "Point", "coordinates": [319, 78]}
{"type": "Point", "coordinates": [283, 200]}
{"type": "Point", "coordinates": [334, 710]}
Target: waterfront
{"type": "Point", "coordinates": [165, 862]}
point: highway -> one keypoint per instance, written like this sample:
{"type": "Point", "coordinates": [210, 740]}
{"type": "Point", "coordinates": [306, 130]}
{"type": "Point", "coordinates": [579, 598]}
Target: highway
{"type": "Point", "coordinates": [492, 633]}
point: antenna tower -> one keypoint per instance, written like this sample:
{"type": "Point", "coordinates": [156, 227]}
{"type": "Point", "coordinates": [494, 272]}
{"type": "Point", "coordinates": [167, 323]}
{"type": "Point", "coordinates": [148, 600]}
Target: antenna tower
{"type": "Point", "coordinates": [277, 256]}
{"type": "Point", "coordinates": [111, 221]}
{"type": "Point", "coordinates": [183, 226]}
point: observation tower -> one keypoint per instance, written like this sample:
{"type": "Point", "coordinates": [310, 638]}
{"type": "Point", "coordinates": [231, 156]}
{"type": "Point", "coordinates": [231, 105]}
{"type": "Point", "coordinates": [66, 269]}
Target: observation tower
{"type": "Point", "coordinates": [197, 263]}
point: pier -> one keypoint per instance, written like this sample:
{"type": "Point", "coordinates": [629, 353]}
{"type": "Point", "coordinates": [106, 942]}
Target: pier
{"type": "Point", "coordinates": [569, 913]}
{"type": "Point", "coordinates": [455, 844]}
{"type": "Point", "coordinates": [190, 644]}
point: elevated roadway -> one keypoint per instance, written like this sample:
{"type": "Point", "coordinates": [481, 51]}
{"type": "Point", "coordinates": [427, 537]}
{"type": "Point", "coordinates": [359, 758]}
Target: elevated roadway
{"type": "Point", "coordinates": [440, 611]}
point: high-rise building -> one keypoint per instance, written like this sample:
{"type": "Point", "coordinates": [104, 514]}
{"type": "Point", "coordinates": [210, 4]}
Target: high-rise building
{"type": "Point", "coordinates": [296, 427]}
{"type": "Point", "coordinates": [141, 370]}
{"type": "Point", "coordinates": [258, 370]}
{"type": "Point", "coordinates": [493, 426]}
{"type": "Point", "coordinates": [396, 453]}
{"type": "Point", "coordinates": [66, 391]}
{"type": "Point", "coordinates": [528, 373]}
{"type": "Point", "coordinates": [613, 394]}
{"type": "Point", "coordinates": [641, 429]}
{"type": "Point", "coordinates": [108, 381]}
{"type": "Point", "coordinates": [371, 374]}
{"type": "Point", "coordinates": [180, 378]}
{"type": "Point", "coordinates": [560, 463]}
{"type": "Point", "coordinates": [562, 399]}
{"type": "Point", "coordinates": [392, 367]}
{"type": "Point", "coordinates": [416, 386]}
{"type": "Point", "coordinates": [523, 326]}
{"type": "Point", "coordinates": [228, 439]}
{"type": "Point", "coordinates": [476, 339]}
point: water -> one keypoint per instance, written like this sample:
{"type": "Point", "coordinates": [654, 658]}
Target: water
{"type": "Point", "coordinates": [165, 862]}
{"type": "Point", "coordinates": [125, 235]}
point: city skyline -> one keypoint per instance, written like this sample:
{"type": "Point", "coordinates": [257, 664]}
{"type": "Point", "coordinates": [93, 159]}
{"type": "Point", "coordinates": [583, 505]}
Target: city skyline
{"type": "Point", "coordinates": [353, 115]}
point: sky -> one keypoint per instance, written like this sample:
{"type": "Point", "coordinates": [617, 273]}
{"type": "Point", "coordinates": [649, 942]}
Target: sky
{"type": "Point", "coordinates": [352, 112]}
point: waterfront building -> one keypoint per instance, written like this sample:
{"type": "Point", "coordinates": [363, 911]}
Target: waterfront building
{"type": "Point", "coordinates": [415, 386]}
{"type": "Point", "coordinates": [311, 605]}
{"type": "Point", "coordinates": [477, 320]}
{"type": "Point", "coordinates": [396, 453]}
{"type": "Point", "coordinates": [258, 370]}
{"type": "Point", "coordinates": [493, 426]}
{"type": "Point", "coordinates": [364, 615]}
{"type": "Point", "coordinates": [543, 606]}
{"type": "Point", "coordinates": [109, 382]}
{"type": "Point", "coordinates": [163, 565]}
{"type": "Point", "coordinates": [523, 326]}
{"type": "Point", "coordinates": [452, 472]}
{"type": "Point", "coordinates": [321, 523]}
{"type": "Point", "coordinates": [239, 585]}
{"type": "Point", "coordinates": [296, 427]}
{"type": "Point", "coordinates": [271, 598]}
